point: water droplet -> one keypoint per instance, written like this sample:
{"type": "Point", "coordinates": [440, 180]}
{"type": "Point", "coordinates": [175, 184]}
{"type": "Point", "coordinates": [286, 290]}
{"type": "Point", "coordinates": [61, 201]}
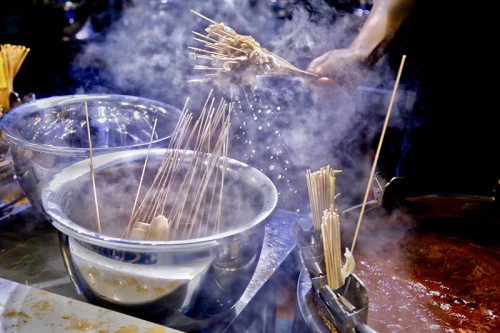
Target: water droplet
{"type": "Point", "coordinates": [271, 167]}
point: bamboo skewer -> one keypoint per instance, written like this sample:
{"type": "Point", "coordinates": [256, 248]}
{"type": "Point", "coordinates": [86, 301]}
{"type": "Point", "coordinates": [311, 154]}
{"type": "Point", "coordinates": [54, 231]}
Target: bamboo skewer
{"type": "Point", "coordinates": [204, 17]}
{"type": "Point", "coordinates": [92, 175]}
{"type": "Point", "coordinates": [377, 153]}
{"type": "Point", "coordinates": [142, 175]}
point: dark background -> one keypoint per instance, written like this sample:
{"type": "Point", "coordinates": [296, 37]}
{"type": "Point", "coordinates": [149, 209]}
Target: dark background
{"type": "Point", "coordinates": [51, 34]}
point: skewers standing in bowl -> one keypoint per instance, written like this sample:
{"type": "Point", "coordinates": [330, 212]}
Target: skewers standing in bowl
{"type": "Point", "coordinates": [186, 202]}
{"type": "Point", "coordinates": [237, 58]}
{"type": "Point", "coordinates": [92, 174]}
{"type": "Point", "coordinates": [11, 59]}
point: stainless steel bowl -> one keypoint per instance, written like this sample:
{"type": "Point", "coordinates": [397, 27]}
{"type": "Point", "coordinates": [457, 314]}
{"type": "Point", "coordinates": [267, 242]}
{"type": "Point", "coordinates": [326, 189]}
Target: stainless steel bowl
{"type": "Point", "coordinates": [185, 284]}
{"type": "Point", "coordinates": [48, 134]}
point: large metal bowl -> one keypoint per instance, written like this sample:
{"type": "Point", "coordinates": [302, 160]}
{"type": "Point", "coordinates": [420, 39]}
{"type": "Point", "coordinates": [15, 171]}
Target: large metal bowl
{"type": "Point", "coordinates": [187, 284]}
{"type": "Point", "coordinates": [51, 133]}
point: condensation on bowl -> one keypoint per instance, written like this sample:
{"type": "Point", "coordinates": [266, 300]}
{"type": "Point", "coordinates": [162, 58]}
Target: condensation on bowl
{"type": "Point", "coordinates": [48, 134]}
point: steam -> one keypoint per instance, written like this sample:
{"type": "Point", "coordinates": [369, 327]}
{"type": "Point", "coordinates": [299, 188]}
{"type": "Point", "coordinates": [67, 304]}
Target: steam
{"type": "Point", "coordinates": [280, 129]}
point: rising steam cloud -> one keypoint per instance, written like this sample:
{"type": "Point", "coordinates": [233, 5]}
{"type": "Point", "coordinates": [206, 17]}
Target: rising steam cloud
{"type": "Point", "coordinates": [280, 129]}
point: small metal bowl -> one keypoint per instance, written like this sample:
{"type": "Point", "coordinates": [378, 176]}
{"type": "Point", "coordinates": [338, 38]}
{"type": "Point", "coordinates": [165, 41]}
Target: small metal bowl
{"type": "Point", "coordinates": [48, 134]}
{"type": "Point", "coordinates": [186, 284]}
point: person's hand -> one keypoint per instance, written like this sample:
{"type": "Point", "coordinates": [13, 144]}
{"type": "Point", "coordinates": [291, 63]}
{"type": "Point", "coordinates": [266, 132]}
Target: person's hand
{"type": "Point", "coordinates": [342, 68]}
{"type": "Point", "coordinates": [339, 72]}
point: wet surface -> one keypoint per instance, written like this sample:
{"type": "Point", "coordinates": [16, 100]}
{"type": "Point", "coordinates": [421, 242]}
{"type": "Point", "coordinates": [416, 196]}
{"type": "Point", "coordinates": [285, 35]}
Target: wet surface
{"type": "Point", "coordinates": [30, 255]}
{"type": "Point", "coordinates": [432, 276]}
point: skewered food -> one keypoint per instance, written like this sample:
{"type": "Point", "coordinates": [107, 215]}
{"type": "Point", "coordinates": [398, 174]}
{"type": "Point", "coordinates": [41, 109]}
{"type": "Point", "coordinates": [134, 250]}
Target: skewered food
{"type": "Point", "coordinates": [236, 58]}
{"type": "Point", "coordinates": [185, 199]}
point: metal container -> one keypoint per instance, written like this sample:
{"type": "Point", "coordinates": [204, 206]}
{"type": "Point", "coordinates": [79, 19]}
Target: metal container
{"type": "Point", "coordinates": [187, 284]}
{"type": "Point", "coordinates": [49, 134]}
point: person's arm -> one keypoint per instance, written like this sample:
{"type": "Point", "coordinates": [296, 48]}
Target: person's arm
{"type": "Point", "coordinates": [338, 66]}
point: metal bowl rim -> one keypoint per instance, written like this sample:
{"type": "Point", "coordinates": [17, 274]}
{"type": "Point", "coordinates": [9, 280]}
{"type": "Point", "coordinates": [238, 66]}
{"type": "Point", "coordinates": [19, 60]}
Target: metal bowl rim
{"type": "Point", "coordinates": [78, 232]}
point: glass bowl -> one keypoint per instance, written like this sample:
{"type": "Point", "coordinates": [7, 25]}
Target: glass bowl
{"type": "Point", "coordinates": [48, 134]}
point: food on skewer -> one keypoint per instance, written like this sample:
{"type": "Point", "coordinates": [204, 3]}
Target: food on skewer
{"type": "Point", "coordinates": [185, 202]}
{"type": "Point", "coordinates": [237, 58]}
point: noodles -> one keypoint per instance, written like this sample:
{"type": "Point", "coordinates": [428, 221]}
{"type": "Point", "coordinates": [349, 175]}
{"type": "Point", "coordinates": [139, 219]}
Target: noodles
{"type": "Point", "coordinates": [185, 198]}
{"type": "Point", "coordinates": [321, 189]}
{"type": "Point", "coordinates": [11, 59]}
{"type": "Point", "coordinates": [237, 58]}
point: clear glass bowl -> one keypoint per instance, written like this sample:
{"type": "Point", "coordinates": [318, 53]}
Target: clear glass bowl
{"type": "Point", "coordinates": [48, 134]}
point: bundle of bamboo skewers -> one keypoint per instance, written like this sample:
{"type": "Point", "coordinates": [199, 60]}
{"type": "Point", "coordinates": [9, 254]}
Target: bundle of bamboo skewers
{"type": "Point", "coordinates": [186, 202]}
{"type": "Point", "coordinates": [11, 59]}
{"type": "Point", "coordinates": [321, 190]}
{"type": "Point", "coordinates": [237, 58]}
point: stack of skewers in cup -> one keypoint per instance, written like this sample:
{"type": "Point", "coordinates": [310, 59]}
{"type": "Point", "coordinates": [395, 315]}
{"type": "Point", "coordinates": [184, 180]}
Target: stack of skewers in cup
{"type": "Point", "coordinates": [11, 59]}
{"type": "Point", "coordinates": [321, 189]}
{"type": "Point", "coordinates": [339, 297]}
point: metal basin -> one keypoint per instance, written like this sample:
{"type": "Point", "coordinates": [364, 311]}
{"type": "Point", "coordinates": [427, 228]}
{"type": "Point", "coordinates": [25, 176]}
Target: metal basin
{"type": "Point", "coordinates": [187, 284]}
{"type": "Point", "coordinates": [49, 134]}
